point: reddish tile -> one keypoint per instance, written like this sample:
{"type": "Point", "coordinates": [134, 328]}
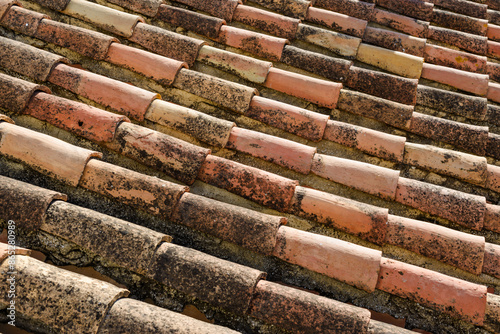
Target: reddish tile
{"type": "Point", "coordinates": [54, 4]}
{"type": "Point", "coordinates": [218, 8]}
{"type": "Point", "coordinates": [402, 23]}
{"type": "Point", "coordinates": [344, 45]}
{"type": "Point", "coordinates": [5, 6]}
{"type": "Point", "coordinates": [45, 154]}
{"type": "Point", "coordinates": [386, 111]}
{"type": "Point", "coordinates": [493, 4]}
{"type": "Point", "coordinates": [492, 260]}
{"type": "Point", "coordinates": [265, 188]}
{"type": "Point", "coordinates": [493, 148]}
{"type": "Point", "coordinates": [373, 142]}
{"type": "Point", "coordinates": [299, 121]}
{"type": "Point", "coordinates": [22, 20]}
{"type": "Point", "coordinates": [27, 60]}
{"type": "Point", "coordinates": [275, 24]}
{"type": "Point", "coordinates": [462, 208]}
{"type": "Point", "coordinates": [369, 178]}
{"type": "Point", "coordinates": [493, 92]}
{"type": "Point", "coordinates": [413, 8]}
{"type": "Point", "coordinates": [252, 69]}
{"type": "Point", "coordinates": [361, 10]}
{"type": "Point", "coordinates": [108, 92]}
{"type": "Point", "coordinates": [199, 23]}
{"type": "Point", "coordinates": [493, 70]}
{"type": "Point", "coordinates": [459, 22]}
{"type": "Point", "coordinates": [468, 8]}
{"type": "Point", "coordinates": [450, 295]}
{"type": "Point", "coordinates": [492, 218]}
{"type": "Point", "coordinates": [493, 114]}
{"type": "Point", "coordinates": [395, 41]}
{"type": "Point", "coordinates": [159, 68]}
{"type": "Point", "coordinates": [336, 21]}
{"type": "Point", "coordinates": [296, 8]}
{"type": "Point", "coordinates": [226, 93]}
{"type": "Point", "coordinates": [384, 85]}
{"type": "Point", "coordinates": [470, 82]}
{"type": "Point", "coordinates": [188, 271]}
{"type": "Point", "coordinates": [493, 178]}
{"type": "Point", "coordinates": [439, 55]}
{"type": "Point", "coordinates": [146, 7]}
{"type": "Point", "coordinates": [79, 118]}
{"type": "Point", "coordinates": [259, 44]}
{"type": "Point", "coordinates": [167, 43]}
{"type": "Point", "coordinates": [364, 220]}
{"type": "Point", "coordinates": [493, 16]}
{"type": "Point", "coordinates": [468, 42]}
{"type": "Point", "coordinates": [16, 93]}
{"type": "Point", "coordinates": [462, 250]}
{"type": "Point", "coordinates": [173, 156]}
{"type": "Point", "coordinates": [16, 196]}
{"type": "Point", "coordinates": [280, 151]}
{"type": "Point", "coordinates": [494, 49]}
{"type": "Point", "coordinates": [7, 119]}
{"type": "Point", "coordinates": [321, 92]}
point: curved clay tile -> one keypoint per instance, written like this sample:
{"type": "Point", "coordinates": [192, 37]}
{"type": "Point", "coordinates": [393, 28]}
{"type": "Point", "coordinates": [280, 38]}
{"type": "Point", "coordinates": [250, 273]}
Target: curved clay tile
{"type": "Point", "coordinates": [460, 22]}
{"type": "Point", "coordinates": [146, 7]}
{"type": "Point", "coordinates": [494, 49]}
{"type": "Point", "coordinates": [349, 263]}
{"type": "Point", "coordinates": [462, 250]}
{"type": "Point", "coordinates": [296, 8]}
{"type": "Point", "coordinates": [79, 118]}
{"type": "Point", "coordinates": [206, 128]}
{"type": "Point", "coordinates": [109, 19]}
{"type": "Point", "coordinates": [402, 23]}
{"type": "Point", "coordinates": [59, 299]}
{"type": "Point", "coordinates": [5, 6]}
{"type": "Point", "coordinates": [336, 69]}
{"type": "Point", "coordinates": [493, 92]}
{"type": "Point", "coordinates": [251, 69]}
{"type": "Point", "coordinates": [463, 208]}
{"type": "Point", "coordinates": [263, 187]}
{"type": "Point", "coordinates": [84, 41]}
{"type": "Point", "coordinates": [414, 8]}
{"type": "Point", "coordinates": [493, 70]}
{"type": "Point", "coordinates": [492, 260]}
{"type": "Point", "coordinates": [277, 150]}
{"type": "Point", "coordinates": [27, 60]}
{"type": "Point", "coordinates": [128, 245]}
{"type": "Point", "coordinates": [218, 8]}
{"type": "Point", "coordinates": [493, 32]}
{"type": "Point", "coordinates": [16, 93]}
{"type": "Point", "coordinates": [16, 196]}
{"type": "Point", "coordinates": [7, 119]}
{"type": "Point", "coordinates": [360, 9]}
{"type": "Point", "coordinates": [299, 121]}
{"type": "Point", "coordinates": [250, 229]}
{"type": "Point", "coordinates": [493, 178]}
{"type": "Point", "coordinates": [468, 8]}
{"type": "Point", "coordinates": [336, 21]}
{"type": "Point", "coordinates": [463, 40]}
{"type": "Point", "coordinates": [264, 46]}
{"type": "Point", "coordinates": [373, 142]}
{"type": "Point", "coordinates": [201, 24]}
{"type": "Point", "coordinates": [493, 148]}
{"type": "Point", "coordinates": [22, 20]}
{"type": "Point", "coordinates": [162, 69]}
{"type": "Point", "coordinates": [395, 41]}
{"type": "Point", "coordinates": [465, 61]}
{"type": "Point", "coordinates": [148, 193]}
{"type": "Point", "coordinates": [470, 82]}
{"type": "Point", "coordinates": [369, 178]}
{"type": "Point", "coordinates": [275, 24]}
{"type": "Point", "coordinates": [493, 114]}
{"type": "Point", "coordinates": [226, 93]}
{"type": "Point", "coordinates": [54, 4]}
{"type": "Point", "coordinates": [493, 4]}
{"type": "Point", "coordinates": [303, 312]}
{"type": "Point", "coordinates": [364, 220]}
{"type": "Point", "coordinates": [167, 43]}
{"type": "Point", "coordinates": [450, 295]}
{"type": "Point", "coordinates": [492, 218]}
{"type": "Point", "coordinates": [46, 154]}
{"type": "Point", "coordinates": [188, 271]}
{"type": "Point", "coordinates": [493, 16]}
{"type": "Point", "coordinates": [338, 43]}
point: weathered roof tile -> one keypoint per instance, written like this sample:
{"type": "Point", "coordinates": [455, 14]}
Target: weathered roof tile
{"type": "Point", "coordinates": [470, 82]}
{"type": "Point", "coordinates": [361, 10]}
{"type": "Point", "coordinates": [146, 7]}
{"type": "Point", "coordinates": [468, 42]}
{"type": "Point", "coordinates": [24, 21]}
{"type": "Point", "coordinates": [493, 178]}
{"type": "Point", "coordinates": [296, 8]}
{"type": "Point", "coordinates": [5, 6]}
{"type": "Point", "coordinates": [465, 61]}
{"type": "Point", "coordinates": [459, 22]}
{"type": "Point", "coordinates": [395, 41]}
{"type": "Point", "coordinates": [7, 119]}
{"type": "Point", "coordinates": [16, 93]}
{"type": "Point", "coordinates": [219, 8]}
{"type": "Point", "coordinates": [492, 260]}
{"type": "Point", "coordinates": [336, 42]}
{"type": "Point", "coordinates": [402, 23]}
{"type": "Point", "coordinates": [414, 8]}
{"type": "Point", "coordinates": [469, 8]}
{"type": "Point", "coordinates": [336, 21]}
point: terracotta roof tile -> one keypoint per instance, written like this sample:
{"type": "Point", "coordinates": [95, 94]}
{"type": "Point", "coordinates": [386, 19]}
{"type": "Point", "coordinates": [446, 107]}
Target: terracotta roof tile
{"type": "Point", "coordinates": [219, 8]}
{"type": "Point", "coordinates": [493, 145]}
{"type": "Point", "coordinates": [493, 114]}
{"type": "Point", "coordinates": [402, 23]}
{"type": "Point", "coordinates": [331, 68]}
{"type": "Point", "coordinates": [303, 312]}
{"type": "Point", "coordinates": [16, 196]}
{"type": "Point", "coordinates": [79, 118]}
{"type": "Point", "coordinates": [247, 228]}
{"type": "Point", "coordinates": [453, 58]}
{"type": "Point", "coordinates": [296, 8]}
{"type": "Point", "coordinates": [369, 178]}
{"type": "Point", "coordinates": [115, 21]}
{"type": "Point", "coordinates": [132, 188]}
{"type": "Point", "coordinates": [248, 68]}
{"type": "Point", "coordinates": [493, 92]}
{"type": "Point", "coordinates": [275, 24]}
{"type": "Point", "coordinates": [357, 218]}
{"type": "Point", "coordinates": [338, 43]}
{"type": "Point", "coordinates": [469, 8]}
{"type": "Point", "coordinates": [54, 4]}
{"type": "Point", "coordinates": [470, 82]}
{"type": "Point", "coordinates": [493, 49]}
{"type": "Point", "coordinates": [5, 6]}
{"type": "Point", "coordinates": [463, 208]}
{"type": "Point", "coordinates": [493, 178]}
{"type": "Point", "coordinates": [465, 41]}
{"type": "Point", "coordinates": [361, 10]}
{"type": "Point", "coordinates": [493, 16]}
{"type": "Point", "coordinates": [384, 85]}
{"type": "Point", "coordinates": [414, 8]}
{"type": "Point", "coordinates": [280, 151]}
{"type": "Point", "coordinates": [16, 93]}
{"type": "Point", "coordinates": [167, 43]}
{"type": "Point", "coordinates": [43, 153]}
{"type": "Point", "coordinates": [460, 22]}
{"type": "Point", "coordinates": [189, 271]}
{"type": "Point", "coordinates": [492, 218]}
{"type": "Point", "coordinates": [450, 295]}
{"type": "Point", "coordinates": [373, 142]}
{"type": "Point", "coordinates": [7, 119]}
{"type": "Point", "coordinates": [493, 32]}
{"type": "Point", "coordinates": [146, 7]}
{"type": "Point", "coordinates": [22, 20]}
{"type": "Point", "coordinates": [173, 156]}
{"type": "Point", "coordinates": [268, 189]}
{"type": "Point", "coordinates": [395, 41]}
{"type": "Point", "coordinates": [202, 24]}
{"type": "Point", "coordinates": [462, 250]}
{"type": "Point", "coordinates": [108, 92]}
{"type": "Point", "coordinates": [344, 261]}
{"type": "Point", "coordinates": [492, 260]}
{"type": "Point", "coordinates": [276, 5]}
{"type": "Point", "coordinates": [206, 128]}
{"type": "Point", "coordinates": [27, 60]}
{"type": "Point", "coordinates": [336, 21]}
{"type": "Point", "coordinates": [389, 112]}
{"type": "Point", "coordinates": [264, 46]}
{"type": "Point", "coordinates": [87, 42]}
{"type": "Point", "coordinates": [323, 93]}
{"type": "Point", "coordinates": [493, 4]}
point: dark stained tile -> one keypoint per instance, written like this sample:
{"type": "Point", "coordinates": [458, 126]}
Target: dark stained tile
{"type": "Point", "coordinates": [413, 8]}
{"type": "Point", "coordinates": [359, 9]}
{"type": "Point", "coordinates": [468, 8]}
{"type": "Point", "coordinates": [16, 93]}
{"type": "Point", "coordinates": [218, 8]}
{"type": "Point", "coordinates": [465, 61]}
{"type": "Point", "coordinates": [459, 22]}
{"type": "Point", "coordinates": [402, 23]}
{"type": "Point", "coordinates": [336, 21]}
{"type": "Point", "coordinates": [395, 41]}
{"type": "Point", "coordinates": [465, 41]}
{"type": "Point", "coordinates": [146, 7]}
{"type": "Point", "coordinates": [24, 21]}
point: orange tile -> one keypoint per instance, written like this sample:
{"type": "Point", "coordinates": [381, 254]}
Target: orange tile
{"type": "Point", "coordinates": [402, 23]}
{"type": "Point", "coordinates": [336, 21]}
{"type": "Point", "coordinates": [493, 92]}
{"type": "Point", "coordinates": [360, 9]}
{"type": "Point", "coordinates": [493, 178]}
{"type": "Point", "coordinates": [492, 260]}
{"type": "Point", "coordinates": [395, 41]}
{"type": "Point", "coordinates": [418, 9]}
{"type": "Point", "coordinates": [148, 8]}
{"type": "Point", "coordinates": [5, 6]}
{"type": "Point", "coordinates": [218, 8]}
{"type": "Point", "coordinates": [465, 61]}
{"type": "Point", "coordinates": [23, 21]}
{"type": "Point", "coordinates": [339, 43]}
{"type": "Point", "coordinates": [470, 82]}
{"type": "Point", "coordinates": [468, 42]}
